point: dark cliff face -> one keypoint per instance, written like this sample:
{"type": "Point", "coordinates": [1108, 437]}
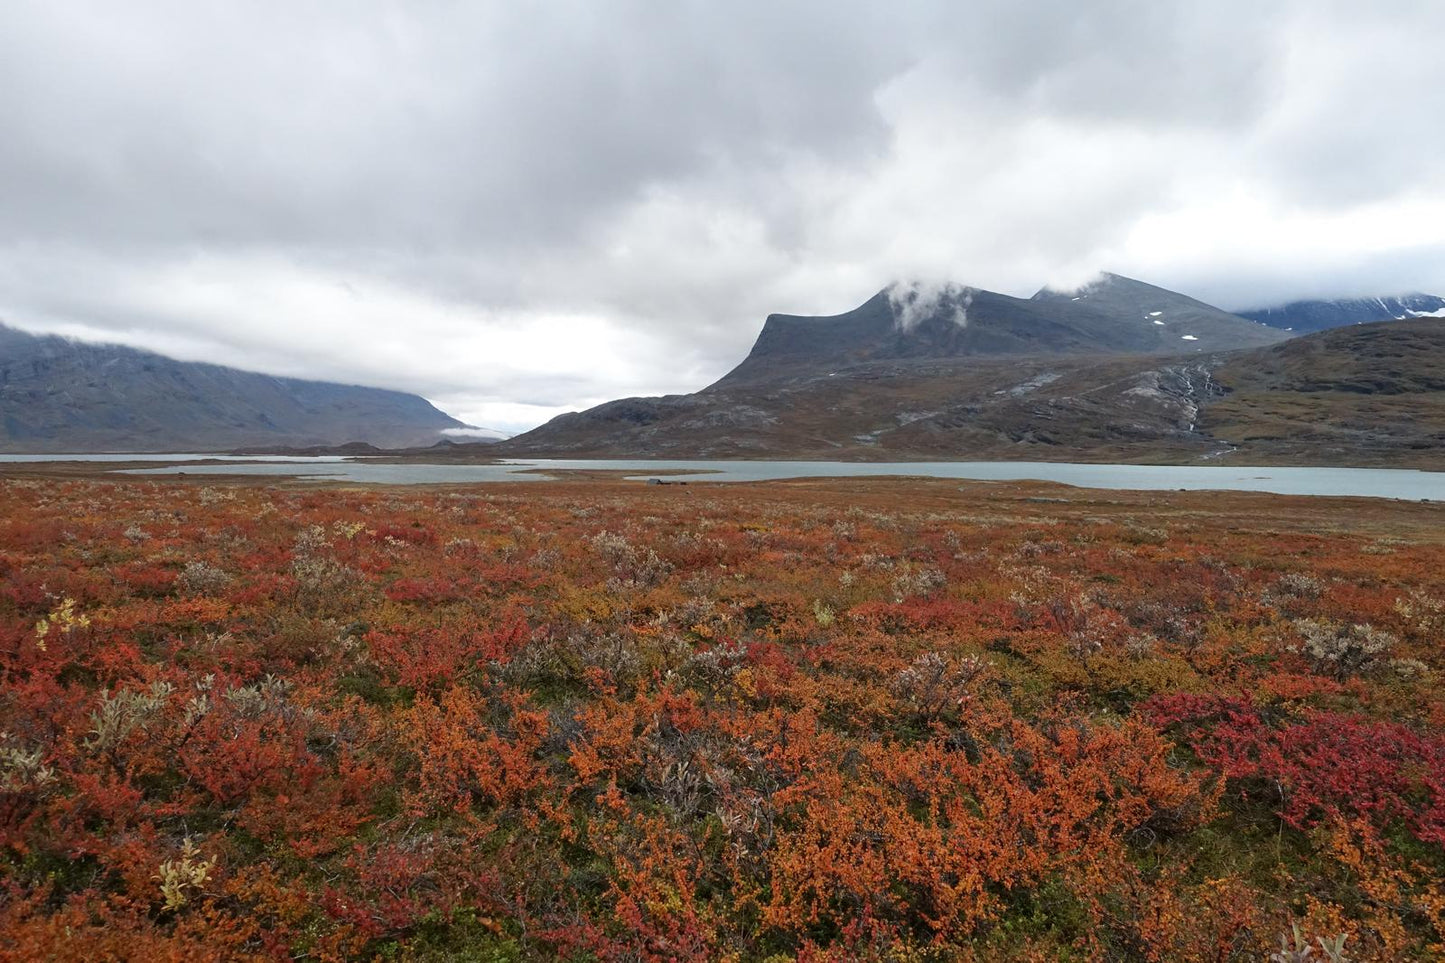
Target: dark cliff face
{"type": "Point", "coordinates": [1305, 316]}
{"type": "Point", "coordinates": [61, 395]}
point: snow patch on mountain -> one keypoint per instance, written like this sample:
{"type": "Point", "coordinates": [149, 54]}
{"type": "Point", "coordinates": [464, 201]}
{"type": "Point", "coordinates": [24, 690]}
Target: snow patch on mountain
{"type": "Point", "coordinates": [1305, 316]}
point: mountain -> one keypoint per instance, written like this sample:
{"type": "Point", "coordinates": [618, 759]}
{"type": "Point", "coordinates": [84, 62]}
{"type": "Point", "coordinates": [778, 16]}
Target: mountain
{"type": "Point", "coordinates": [59, 395]}
{"type": "Point", "coordinates": [1362, 394]}
{"type": "Point", "coordinates": [1305, 316]}
{"type": "Point", "coordinates": [1062, 409]}
{"type": "Point", "coordinates": [1050, 379]}
{"type": "Point", "coordinates": [1113, 315]}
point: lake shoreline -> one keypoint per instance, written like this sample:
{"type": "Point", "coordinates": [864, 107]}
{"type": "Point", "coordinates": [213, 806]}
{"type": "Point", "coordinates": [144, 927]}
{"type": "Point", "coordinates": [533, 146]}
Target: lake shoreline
{"type": "Point", "coordinates": [1398, 483]}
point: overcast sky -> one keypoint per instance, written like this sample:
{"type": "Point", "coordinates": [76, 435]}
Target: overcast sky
{"type": "Point", "coordinates": [518, 209]}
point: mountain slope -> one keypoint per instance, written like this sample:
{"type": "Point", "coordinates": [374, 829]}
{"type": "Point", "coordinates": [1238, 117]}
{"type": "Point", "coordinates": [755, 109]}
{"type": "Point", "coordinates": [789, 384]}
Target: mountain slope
{"type": "Point", "coordinates": [1114, 315]}
{"type": "Point", "coordinates": [1149, 319]}
{"type": "Point", "coordinates": [1063, 409]}
{"type": "Point", "coordinates": [1305, 316]}
{"type": "Point", "coordinates": [1362, 395]}
{"type": "Point", "coordinates": [61, 395]}
{"type": "Point", "coordinates": [1372, 393]}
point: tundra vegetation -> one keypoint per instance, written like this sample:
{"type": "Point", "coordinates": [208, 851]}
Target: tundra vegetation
{"type": "Point", "coordinates": [886, 720]}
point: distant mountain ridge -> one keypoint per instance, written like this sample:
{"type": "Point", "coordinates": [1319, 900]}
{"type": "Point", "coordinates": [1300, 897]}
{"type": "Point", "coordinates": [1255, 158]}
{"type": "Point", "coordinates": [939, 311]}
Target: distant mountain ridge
{"type": "Point", "coordinates": [1305, 316]}
{"type": "Point", "coordinates": [1113, 315]}
{"type": "Point", "coordinates": [59, 395]}
{"type": "Point", "coordinates": [1119, 370]}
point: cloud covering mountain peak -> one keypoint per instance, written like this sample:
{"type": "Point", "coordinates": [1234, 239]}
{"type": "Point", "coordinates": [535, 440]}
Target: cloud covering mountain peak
{"type": "Point", "coordinates": [520, 210]}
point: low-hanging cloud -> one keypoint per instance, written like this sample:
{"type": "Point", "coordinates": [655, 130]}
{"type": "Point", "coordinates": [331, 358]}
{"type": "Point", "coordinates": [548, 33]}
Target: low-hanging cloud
{"type": "Point", "coordinates": [914, 301]}
{"type": "Point", "coordinates": [520, 210]}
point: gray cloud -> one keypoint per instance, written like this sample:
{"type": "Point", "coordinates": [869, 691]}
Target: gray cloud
{"type": "Point", "coordinates": [518, 209]}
